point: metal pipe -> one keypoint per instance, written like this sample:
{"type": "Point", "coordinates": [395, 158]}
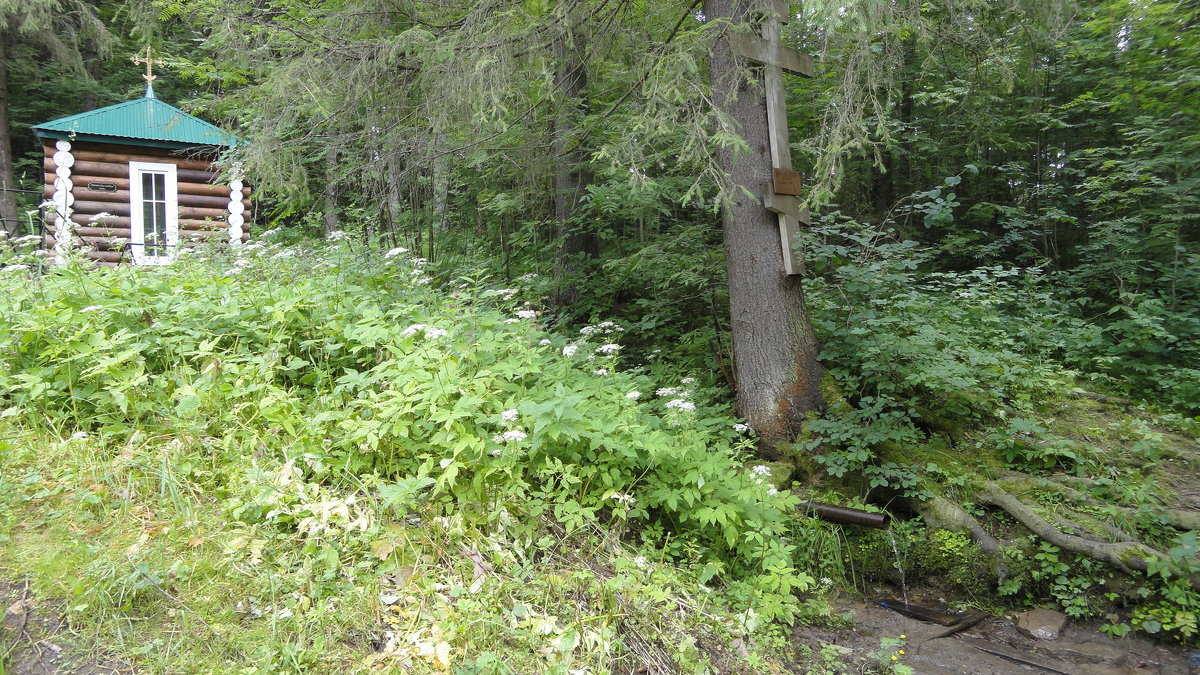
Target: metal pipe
{"type": "Point", "coordinates": [842, 514]}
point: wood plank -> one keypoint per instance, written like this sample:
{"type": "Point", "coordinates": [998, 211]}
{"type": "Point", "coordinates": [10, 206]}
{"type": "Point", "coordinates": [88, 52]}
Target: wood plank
{"type": "Point", "coordinates": [784, 182]}
{"type": "Point", "coordinates": [99, 243]}
{"type": "Point", "coordinates": [124, 157]}
{"type": "Point", "coordinates": [122, 183]}
{"type": "Point", "coordinates": [94, 207]}
{"type": "Point", "coordinates": [119, 232]}
{"type": "Point", "coordinates": [757, 49]}
{"type": "Point", "coordinates": [122, 171]}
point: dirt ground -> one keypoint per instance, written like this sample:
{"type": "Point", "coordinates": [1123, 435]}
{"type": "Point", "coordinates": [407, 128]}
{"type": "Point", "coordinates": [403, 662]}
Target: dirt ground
{"type": "Point", "coordinates": [34, 640]}
{"type": "Point", "coordinates": [993, 646]}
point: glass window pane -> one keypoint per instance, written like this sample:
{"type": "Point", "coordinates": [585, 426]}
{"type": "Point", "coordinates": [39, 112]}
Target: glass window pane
{"type": "Point", "coordinates": [160, 181]}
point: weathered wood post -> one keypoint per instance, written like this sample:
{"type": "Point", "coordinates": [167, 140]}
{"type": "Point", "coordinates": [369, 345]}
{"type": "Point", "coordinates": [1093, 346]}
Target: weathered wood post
{"type": "Point", "coordinates": [781, 196]}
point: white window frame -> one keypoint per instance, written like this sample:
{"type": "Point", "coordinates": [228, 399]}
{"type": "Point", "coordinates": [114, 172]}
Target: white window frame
{"type": "Point", "coordinates": [137, 224]}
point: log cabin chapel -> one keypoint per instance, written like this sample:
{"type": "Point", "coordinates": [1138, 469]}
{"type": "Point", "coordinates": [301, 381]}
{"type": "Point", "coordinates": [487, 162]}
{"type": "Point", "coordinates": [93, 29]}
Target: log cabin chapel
{"type": "Point", "coordinates": [132, 180]}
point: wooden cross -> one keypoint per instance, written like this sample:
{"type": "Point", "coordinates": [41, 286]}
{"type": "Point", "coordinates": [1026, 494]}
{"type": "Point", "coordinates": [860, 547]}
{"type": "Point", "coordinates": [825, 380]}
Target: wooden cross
{"type": "Point", "coordinates": [781, 196]}
{"type": "Point", "coordinates": [150, 63]}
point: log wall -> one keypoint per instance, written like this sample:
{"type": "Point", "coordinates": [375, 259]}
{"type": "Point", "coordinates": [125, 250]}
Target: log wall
{"type": "Point", "coordinates": [204, 205]}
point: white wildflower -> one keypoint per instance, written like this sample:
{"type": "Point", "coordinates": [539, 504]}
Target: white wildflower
{"type": "Point", "coordinates": [267, 233]}
{"type": "Point", "coordinates": [633, 395]}
{"type": "Point", "coordinates": [640, 561]}
{"type": "Point", "coordinates": [772, 492]}
{"type": "Point", "coordinates": [570, 350]}
{"type": "Point", "coordinates": [78, 436]}
{"type": "Point", "coordinates": [760, 470]}
{"type": "Point", "coordinates": [28, 237]}
{"type": "Point", "coordinates": [91, 308]}
{"type": "Point", "coordinates": [511, 436]}
{"type": "Point", "coordinates": [587, 330]}
{"type": "Point", "coordinates": [667, 391]}
{"type": "Point", "coordinates": [337, 236]}
{"type": "Point", "coordinates": [610, 348]}
{"type": "Point", "coordinates": [103, 215]}
{"type": "Point", "coordinates": [15, 268]}
{"type": "Point", "coordinates": [545, 342]}
{"type": "Point", "coordinates": [510, 415]}
{"type": "Point", "coordinates": [395, 252]}
{"type": "Point", "coordinates": [600, 371]}
{"type": "Point", "coordinates": [512, 321]}
{"type": "Point", "coordinates": [526, 314]}
{"type": "Point", "coordinates": [435, 333]}
{"type": "Point", "coordinates": [527, 277]}
{"type": "Point", "coordinates": [688, 380]}
{"type": "Point", "coordinates": [681, 404]}
{"type": "Point", "coordinates": [420, 261]}
{"type": "Point", "coordinates": [741, 428]}
{"type": "Point", "coordinates": [412, 330]}
{"type": "Point", "coordinates": [622, 498]}
{"type": "Point", "coordinates": [285, 254]}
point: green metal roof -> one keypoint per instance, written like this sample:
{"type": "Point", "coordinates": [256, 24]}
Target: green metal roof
{"type": "Point", "coordinates": [144, 121]}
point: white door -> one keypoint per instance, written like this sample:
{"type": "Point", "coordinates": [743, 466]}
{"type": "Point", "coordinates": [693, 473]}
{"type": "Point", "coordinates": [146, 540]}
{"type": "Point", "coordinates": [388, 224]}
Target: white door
{"type": "Point", "coordinates": [154, 212]}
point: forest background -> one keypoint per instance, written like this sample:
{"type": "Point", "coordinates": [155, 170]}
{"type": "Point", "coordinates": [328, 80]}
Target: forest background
{"type": "Point", "coordinates": [1004, 199]}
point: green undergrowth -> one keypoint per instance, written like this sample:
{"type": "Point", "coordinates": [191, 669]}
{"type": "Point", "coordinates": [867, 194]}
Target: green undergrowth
{"type": "Point", "coordinates": [938, 382]}
{"type": "Point", "coordinates": [310, 460]}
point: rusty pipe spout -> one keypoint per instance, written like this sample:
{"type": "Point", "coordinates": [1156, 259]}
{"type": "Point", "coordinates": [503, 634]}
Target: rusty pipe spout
{"type": "Point", "coordinates": [842, 514]}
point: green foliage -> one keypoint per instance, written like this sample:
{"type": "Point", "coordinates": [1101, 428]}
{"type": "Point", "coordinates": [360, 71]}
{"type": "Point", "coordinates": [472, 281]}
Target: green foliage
{"type": "Point", "coordinates": [369, 381]}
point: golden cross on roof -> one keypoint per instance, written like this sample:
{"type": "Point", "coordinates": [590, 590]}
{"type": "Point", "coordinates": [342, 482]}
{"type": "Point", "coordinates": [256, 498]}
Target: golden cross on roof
{"type": "Point", "coordinates": [149, 61]}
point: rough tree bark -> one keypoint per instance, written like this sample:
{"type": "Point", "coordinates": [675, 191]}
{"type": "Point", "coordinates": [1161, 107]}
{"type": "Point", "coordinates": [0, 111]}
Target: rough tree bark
{"type": "Point", "coordinates": [572, 176]}
{"type": "Point", "coordinates": [8, 201]}
{"type": "Point", "coordinates": [774, 349]}
{"type": "Point", "coordinates": [330, 192]}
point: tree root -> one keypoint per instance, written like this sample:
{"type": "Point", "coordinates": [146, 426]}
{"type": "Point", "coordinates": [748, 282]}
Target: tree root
{"type": "Point", "coordinates": [1126, 555]}
{"type": "Point", "coordinates": [943, 514]}
{"type": "Point", "coordinates": [1180, 519]}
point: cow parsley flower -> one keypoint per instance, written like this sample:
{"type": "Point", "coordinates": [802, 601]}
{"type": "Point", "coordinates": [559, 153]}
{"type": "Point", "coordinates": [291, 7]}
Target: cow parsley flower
{"type": "Point", "coordinates": [666, 391]}
{"type": "Point", "coordinates": [412, 330]}
{"type": "Point", "coordinates": [741, 428]}
{"type": "Point", "coordinates": [600, 371]}
{"type": "Point", "coordinates": [395, 252]}
{"type": "Point", "coordinates": [512, 321]}
{"type": "Point", "coordinates": [610, 348]}
{"type": "Point", "coordinates": [526, 314]}
{"type": "Point", "coordinates": [688, 380]}
{"type": "Point", "coordinates": [435, 333]}
{"type": "Point", "coordinates": [545, 342]}
{"type": "Point", "coordinates": [570, 350]}
{"type": "Point", "coordinates": [633, 395]}
{"type": "Point", "coordinates": [772, 492]}
{"type": "Point", "coordinates": [760, 470]}
{"type": "Point", "coordinates": [622, 498]}
{"type": "Point", "coordinates": [681, 404]}
{"type": "Point", "coordinates": [337, 236]}
{"type": "Point", "coordinates": [510, 415]}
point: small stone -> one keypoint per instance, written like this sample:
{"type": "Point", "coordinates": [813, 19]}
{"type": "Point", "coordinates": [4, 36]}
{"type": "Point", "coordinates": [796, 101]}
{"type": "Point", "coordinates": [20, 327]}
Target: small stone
{"type": "Point", "coordinates": [1041, 624]}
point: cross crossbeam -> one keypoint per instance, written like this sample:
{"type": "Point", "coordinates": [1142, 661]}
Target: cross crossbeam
{"type": "Point", "coordinates": [781, 196]}
{"type": "Point", "coordinates": [150, 62]}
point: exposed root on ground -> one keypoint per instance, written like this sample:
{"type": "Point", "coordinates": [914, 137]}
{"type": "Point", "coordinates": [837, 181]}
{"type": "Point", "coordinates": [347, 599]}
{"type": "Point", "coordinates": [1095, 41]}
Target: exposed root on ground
{"type": "Point", "coordinates": [941, 513]}
{"type": "Point", "coordinates": [1125, 555]}
{"type": "Point", "coordinates": [1181, 519]}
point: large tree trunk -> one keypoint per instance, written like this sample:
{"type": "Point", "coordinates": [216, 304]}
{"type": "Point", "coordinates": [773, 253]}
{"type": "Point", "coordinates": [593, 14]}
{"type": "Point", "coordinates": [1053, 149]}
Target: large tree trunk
{"type": "Point", "coordinates": [572, 176]}
{"type": "Point", "coordinates": [330, 192]}
{"type": "Point", "coordinates": [8, 200]}
{"type": "Point", "coordinates": [774, 349]}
